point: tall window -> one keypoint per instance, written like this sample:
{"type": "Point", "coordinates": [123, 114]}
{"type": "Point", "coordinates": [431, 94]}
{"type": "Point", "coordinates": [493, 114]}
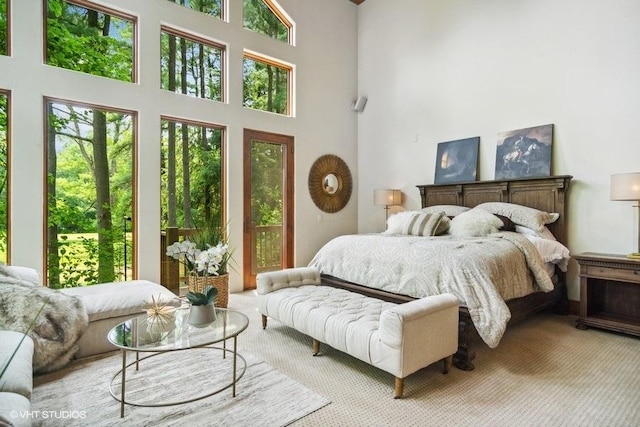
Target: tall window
{"type": "Point", "coordinates": [4, 27]}
{"type": "Point", "coordinates": [191, 67]}
{"type": "Point", "coordinates": [90, 193]}
{"type": "Point", "coordinates": [92, 41]}
{"type": "Point", "coordinates": [4, 177]}
{"type": "Point", "coordinates": [264, 17]}
{"type": "Point", "coordinates": [266, 84]}
{"type": "Point", "coordinates": [192, 174]}
{"type": "Point", "coordinates": [210, 7]}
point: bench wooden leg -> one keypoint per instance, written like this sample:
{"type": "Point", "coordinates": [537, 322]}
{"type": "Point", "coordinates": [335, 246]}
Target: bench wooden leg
{"type": "Point", "coordinates": [448, 361]}
{"type": "Point", "coordinates": [316, 347]}
{"type": "Point", "coordinates": [398, 388]}
{"type": "Point", "coordinates": [264, 322]}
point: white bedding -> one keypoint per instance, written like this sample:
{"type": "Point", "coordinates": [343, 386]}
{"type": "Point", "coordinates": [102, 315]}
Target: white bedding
{"type": "Point", "coordinates": [482, 272]}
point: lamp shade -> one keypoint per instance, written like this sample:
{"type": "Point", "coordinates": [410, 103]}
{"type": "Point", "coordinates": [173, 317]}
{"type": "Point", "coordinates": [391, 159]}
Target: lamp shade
{"type": "Point", "coordinates": [625, 186]}
{"type": "Point", "coordinates": [387, 197]}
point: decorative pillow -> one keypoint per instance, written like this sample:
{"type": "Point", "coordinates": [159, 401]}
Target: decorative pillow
{"type": "Point", "coordinates": [522, 215]}
{"type": "Point", "coordinates": [474, 223]}
{"type": "Point", "coordinates": [417, 223]}
{"type": "Point", "coordinates": [427, 224]}
{"type": "Point", "coordinates": [507, 224]}
{"type": "Point", "coordinates": [545, 233]}
{"type": "Point", "coordinates": [448, 210]}
{"type": "Point", "coordinates": [551, 251]}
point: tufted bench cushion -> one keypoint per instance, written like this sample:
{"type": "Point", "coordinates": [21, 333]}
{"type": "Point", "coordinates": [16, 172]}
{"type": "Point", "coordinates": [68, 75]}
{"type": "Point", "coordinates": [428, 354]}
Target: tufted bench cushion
{"type": "Point", "coordinates": [399, 339]}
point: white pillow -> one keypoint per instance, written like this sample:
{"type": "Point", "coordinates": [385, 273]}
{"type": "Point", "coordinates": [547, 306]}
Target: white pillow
{"type": "Point", "coordinates": [522, 215]}
{"type": "Point", "coordinates": [474, 223]}
{"type": "Point", "coordinates": [448, 210]}
{"type": "Point", "coordinates": [545, 233]}
{"type": "Point", "coordinates": [551, 251]}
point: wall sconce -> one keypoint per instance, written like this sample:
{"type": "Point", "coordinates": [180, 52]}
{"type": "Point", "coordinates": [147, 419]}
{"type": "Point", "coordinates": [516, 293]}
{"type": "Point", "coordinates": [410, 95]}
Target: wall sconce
{"type": "Point", "coordinates": [626, 186]}
{"type": "Point", "coordinates": [387, 198]}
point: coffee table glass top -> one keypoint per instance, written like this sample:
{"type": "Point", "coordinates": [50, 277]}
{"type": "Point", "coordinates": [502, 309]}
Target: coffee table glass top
{"type": "Point", "coordinates": [139, 334]}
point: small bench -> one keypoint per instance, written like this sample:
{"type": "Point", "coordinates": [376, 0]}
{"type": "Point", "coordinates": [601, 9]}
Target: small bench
{"type": "Point", "coordinates": [397, 338]}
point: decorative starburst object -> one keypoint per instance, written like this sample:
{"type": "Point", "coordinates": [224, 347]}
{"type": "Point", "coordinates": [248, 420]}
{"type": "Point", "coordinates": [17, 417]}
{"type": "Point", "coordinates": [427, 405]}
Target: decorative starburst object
{"type": "Point", "coordinates": [160, 314]}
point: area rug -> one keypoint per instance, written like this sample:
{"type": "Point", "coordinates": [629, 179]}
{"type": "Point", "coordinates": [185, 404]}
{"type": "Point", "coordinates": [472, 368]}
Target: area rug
{"type": "Point", "coordinates": [79, 395]}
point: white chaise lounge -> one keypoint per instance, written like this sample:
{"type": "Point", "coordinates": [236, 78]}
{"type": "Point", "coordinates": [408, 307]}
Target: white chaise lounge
{"type": "Point", "coordinates": [397, 338]}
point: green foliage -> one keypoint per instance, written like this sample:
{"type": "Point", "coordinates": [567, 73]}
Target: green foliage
{"type": "Point", "coordinates": [265, 86]}
{"type": "Point", "coordinates": [198, 298]}
{"type": "Point", "coordinates": [210, 7]}
{"type": "Point", "coordinates": [3, 27]}
{"type": "Point", "coordinates": [3, 177]}
{"type": "Point", "coordinates": [267, 192]}
{"type": "Point", "coordinates": [258, 17]}
{"type": "Point", "coordinates": [89, 41]}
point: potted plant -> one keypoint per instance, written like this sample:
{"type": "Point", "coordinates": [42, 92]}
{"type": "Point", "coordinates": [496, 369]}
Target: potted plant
{"type": "Point", "coordinates": [202, 312]}
{"type": "Point", "coordinates": [205, 255]}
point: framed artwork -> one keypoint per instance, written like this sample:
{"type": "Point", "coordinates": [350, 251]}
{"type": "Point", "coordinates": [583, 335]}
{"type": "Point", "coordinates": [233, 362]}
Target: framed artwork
{"type": "Point", "coordinates": [524, 153]}
{"type": "Point", "coordinates": [457, 161]}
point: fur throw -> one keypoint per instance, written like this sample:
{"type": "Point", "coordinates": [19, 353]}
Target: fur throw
{"type": "Point", "coordinates": [58, 328]}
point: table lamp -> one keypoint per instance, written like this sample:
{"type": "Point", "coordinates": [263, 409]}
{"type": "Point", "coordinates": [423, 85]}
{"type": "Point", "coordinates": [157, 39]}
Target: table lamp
{"type": "Point", "coordinates": [626, 186]}
{"type": "Point", "coordinates": [387, 198]}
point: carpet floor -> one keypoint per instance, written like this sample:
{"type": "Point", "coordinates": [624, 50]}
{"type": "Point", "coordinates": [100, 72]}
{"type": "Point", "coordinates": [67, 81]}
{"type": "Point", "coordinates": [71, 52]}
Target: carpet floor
{"type": "Point", "coordinates": [545, 372]}
{"type": "Point", "coordinates": [82, 390]}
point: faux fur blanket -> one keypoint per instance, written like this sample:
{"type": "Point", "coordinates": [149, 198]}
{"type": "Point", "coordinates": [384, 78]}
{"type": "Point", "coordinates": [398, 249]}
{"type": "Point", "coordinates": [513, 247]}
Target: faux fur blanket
{"type": "Point", "coordinates": [57, 329]}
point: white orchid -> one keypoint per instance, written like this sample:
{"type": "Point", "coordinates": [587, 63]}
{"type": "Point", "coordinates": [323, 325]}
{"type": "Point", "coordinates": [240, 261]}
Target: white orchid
{"type": "Point", "coordinates": [209, 262]}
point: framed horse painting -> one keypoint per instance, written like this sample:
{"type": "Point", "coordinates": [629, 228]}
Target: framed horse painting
{"type": "Point", "coordinates": [524, 153]}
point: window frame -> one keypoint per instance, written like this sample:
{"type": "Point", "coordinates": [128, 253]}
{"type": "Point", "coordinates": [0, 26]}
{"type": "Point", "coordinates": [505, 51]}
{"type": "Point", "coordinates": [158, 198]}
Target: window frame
{"type": "Point", "coordinates": [282, 16]}
{"type": "Point", "coordinates": [99, 8]}
{"type": "Point", "coordinates": [7, 93]}
{"type": "Point", "coordinates": [206, 41]}
{"type": "Point", "coordinates": [255, 56]}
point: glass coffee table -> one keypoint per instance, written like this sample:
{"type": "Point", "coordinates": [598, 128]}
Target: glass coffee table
{"type": "Point", "coordinates": [141, 336]}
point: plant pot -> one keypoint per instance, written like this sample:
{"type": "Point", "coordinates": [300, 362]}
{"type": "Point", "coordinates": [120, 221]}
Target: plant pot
{"type": "Point", "coordinates": [202, 315]}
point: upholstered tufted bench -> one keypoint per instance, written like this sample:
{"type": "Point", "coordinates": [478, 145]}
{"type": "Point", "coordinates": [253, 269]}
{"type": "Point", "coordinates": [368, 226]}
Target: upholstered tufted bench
{"type": "Point", "coordinates": [399, 339]}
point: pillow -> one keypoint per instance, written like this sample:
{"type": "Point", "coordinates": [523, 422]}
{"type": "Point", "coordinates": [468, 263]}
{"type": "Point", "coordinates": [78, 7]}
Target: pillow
{"type": "Point", "coordinates": [507, 224]}
{"type": "Point", "coordinates": [448, 210]}
{"type": "Point", "coordinates": [551, 251]}
{"type": "Point", "coordinates": [474, 223]}
{"type": "Point", "coordinates": [417, 223]}
{"type": "Point", "coordinates": [522, 215]}
{"type": "Point", "coordinates": [544, 234]}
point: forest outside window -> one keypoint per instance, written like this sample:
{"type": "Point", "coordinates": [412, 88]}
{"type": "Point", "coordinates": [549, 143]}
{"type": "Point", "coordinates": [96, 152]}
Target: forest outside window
{"type": "Point", "coordinates": [213, 8]}
{"type": "Point", "coordinates": [90, 40]}
{"type": "Point", "coordinates": [90, 192]}
{"type": "Point", "coordinates": [265, 17]}
{"type": "Point", "coordinates": [4, 27]}
{"type": "Point", "coordinates": [191, 66]}
{"type": "Point", "coordinates": [4, 177]}
{"type": "Point", "coordinates": [192, 171]}
{"type": "Point", "coordinates": [266, 84]}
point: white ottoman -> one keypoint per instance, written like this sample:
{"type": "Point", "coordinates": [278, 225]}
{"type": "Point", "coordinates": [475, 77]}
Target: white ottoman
{"type": "Point", "coordinates": [397, 338]}
{"type": "Point", "coordinates": [109, 304]}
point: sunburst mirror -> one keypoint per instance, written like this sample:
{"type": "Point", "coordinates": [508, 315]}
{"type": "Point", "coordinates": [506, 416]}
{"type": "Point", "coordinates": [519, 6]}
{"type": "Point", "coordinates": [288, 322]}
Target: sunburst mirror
{"type": "Point", "coordinates": [330, 183]}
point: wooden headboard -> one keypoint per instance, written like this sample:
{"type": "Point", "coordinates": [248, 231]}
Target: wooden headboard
{"type": "Point", "coordinates": [546, 194]}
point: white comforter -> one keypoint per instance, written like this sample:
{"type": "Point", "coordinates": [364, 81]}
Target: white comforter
{"type": "Point", "coordinates": [482, 272]}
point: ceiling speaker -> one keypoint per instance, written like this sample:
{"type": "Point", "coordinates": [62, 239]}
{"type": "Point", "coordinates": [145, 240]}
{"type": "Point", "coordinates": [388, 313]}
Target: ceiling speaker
{"type": "Point", "coordinates": [360, 103]}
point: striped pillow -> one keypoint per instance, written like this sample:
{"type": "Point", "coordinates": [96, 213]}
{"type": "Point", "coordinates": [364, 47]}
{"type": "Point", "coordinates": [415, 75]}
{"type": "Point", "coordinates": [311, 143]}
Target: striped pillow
{"type": "Point", "coordinates": [427, 224]}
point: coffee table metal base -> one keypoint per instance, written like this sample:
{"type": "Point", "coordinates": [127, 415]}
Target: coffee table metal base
{"type": "Point", "coordinates": [237, 374]}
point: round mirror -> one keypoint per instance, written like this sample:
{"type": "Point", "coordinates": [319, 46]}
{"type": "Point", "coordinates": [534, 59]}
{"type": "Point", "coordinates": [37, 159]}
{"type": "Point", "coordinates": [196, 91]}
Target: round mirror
{"type": "Point", "coordinates": [330, 183]}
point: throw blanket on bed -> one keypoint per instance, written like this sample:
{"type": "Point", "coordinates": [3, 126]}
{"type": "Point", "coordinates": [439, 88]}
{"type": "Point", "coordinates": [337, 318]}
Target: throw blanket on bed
{"type": "Point", "coordinates": [57, 329]}
{"type": "Point", "coordinates": [482, 272]}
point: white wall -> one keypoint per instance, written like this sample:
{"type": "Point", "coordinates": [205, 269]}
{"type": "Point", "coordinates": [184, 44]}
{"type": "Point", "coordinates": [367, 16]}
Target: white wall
{"type": "Point", "coordinates": [437, 71]}
{"type": "Point", "coordinates": [326, 71]}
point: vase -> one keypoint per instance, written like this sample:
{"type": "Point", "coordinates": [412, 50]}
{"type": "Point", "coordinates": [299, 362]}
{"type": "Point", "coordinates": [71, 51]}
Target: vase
{"type": "Point", "coordinates": [201, 316]}
{"type": "Point", "coordinates": [221, 283]}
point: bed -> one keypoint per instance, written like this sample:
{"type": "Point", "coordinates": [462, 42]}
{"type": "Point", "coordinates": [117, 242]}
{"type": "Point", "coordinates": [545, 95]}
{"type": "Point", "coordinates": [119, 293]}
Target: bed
{"type": "Point", "coordinates": [546, 194]}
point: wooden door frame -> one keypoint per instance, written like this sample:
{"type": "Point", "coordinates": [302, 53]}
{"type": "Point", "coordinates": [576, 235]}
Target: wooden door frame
{"type": "Point", "coordinates": [288, 198]}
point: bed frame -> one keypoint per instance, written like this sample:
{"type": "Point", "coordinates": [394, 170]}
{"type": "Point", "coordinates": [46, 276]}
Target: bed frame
{"type": "Point", "coordinates": [546, 194]}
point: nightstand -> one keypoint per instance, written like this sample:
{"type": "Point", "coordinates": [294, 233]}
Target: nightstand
{"type": "Point", "coordinates": [609, 292]}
